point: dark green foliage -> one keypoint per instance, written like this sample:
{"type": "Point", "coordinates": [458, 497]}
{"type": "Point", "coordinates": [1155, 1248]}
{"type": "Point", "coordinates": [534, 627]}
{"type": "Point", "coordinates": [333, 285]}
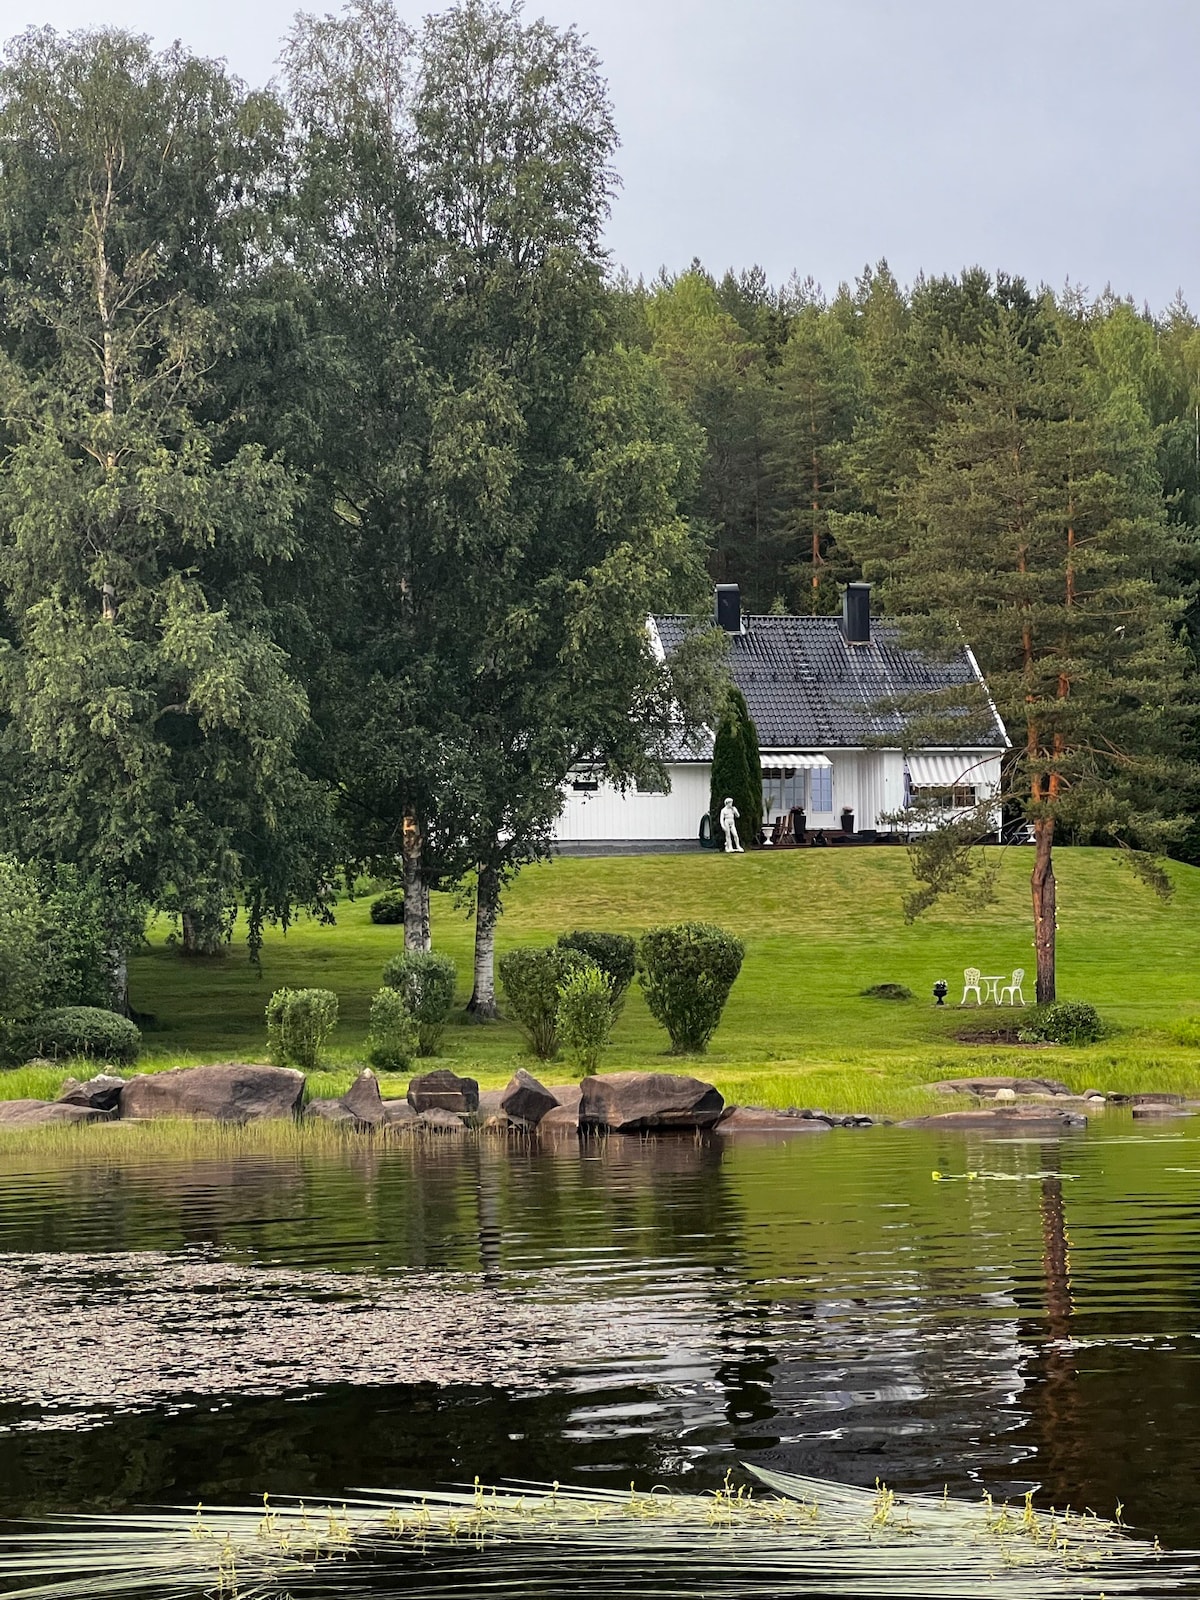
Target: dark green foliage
{"type": "Point", "coordinates": [388, 908]}
{"type": "Point", "coordinates": [585, 1017]}
{"type": "Point", "coordinates": [753, 816]}
{"type": "Point", "coordinates": [614, 953]}
{"type": "Point", "coordinates": [82, 1031]}
{"type": "Point", "coordinates": [888, 991]}
{"type": "Point", "coordinates": [1066, 1022]}
{"type": "Point", "coordinates": [426, 980]}
{"type": "Point", "coordinates": [731, 777]}
{"type": "Point", "coordinates": [392, 1039]}
{"type": "Point", "coordinates": [299, 1023]}
{"type": "Point", "coordinates": [531, 977]}
{"type": "Point", "coordinates": [686, 972]}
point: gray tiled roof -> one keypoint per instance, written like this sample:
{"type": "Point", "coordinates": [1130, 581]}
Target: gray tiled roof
{"type": "Point", "coordinates": [808, 689]}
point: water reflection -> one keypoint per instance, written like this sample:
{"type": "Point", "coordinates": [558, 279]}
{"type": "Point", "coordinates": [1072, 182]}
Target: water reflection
{"type": "Point", "coordinates": [658, 1310]}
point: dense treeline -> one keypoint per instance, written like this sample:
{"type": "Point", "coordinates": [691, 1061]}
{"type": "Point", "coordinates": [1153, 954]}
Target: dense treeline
{"type": "Point", "coordinates": [339, 470]}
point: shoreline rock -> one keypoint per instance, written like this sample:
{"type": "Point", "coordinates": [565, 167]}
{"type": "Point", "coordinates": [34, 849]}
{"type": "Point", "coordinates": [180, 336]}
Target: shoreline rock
{"type": "Point", "coordinates": [231, 1091]}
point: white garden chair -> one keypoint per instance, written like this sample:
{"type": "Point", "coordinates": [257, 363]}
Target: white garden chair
{"type": "Point", "coordinates": [971, 985]}
{"type": "Point", "coordinates": [1013, 989]}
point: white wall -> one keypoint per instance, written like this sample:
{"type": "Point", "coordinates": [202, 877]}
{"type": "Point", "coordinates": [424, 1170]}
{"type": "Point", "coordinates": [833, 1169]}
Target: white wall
{"type": "Point", "coordinates": [607, 814]}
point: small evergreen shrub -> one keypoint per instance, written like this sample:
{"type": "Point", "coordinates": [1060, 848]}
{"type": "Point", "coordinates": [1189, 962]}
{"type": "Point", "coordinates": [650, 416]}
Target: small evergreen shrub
{"type": "Point", "coordinates": [888, 991]}
{"type": "Point", "coordinates": [614, 953]}
{"type": "Point", "coordinates": [585, 1015]}
{"type": "Point", "coordinates": [426, 980]}
{"type": "Point", "coordinates": [299, 1022]}
{"type": "Point", "coordinates": [1067, 1022]}
{"type": "Point", "coordinates": [392, 1038]}
{"type": "Point", "coordinates": [83, 1031]}
{"type": "Point", "coordinates": [531, 978]}
{"type": "Point", "coordinates": [686, 972]}
{"type": "Point", "coordinates": [388, 908]}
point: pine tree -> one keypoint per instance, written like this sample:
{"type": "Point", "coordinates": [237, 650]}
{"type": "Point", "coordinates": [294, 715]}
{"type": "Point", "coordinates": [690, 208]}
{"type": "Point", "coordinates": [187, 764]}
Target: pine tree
{"type": "Point", "coordinates": [1033, 529]}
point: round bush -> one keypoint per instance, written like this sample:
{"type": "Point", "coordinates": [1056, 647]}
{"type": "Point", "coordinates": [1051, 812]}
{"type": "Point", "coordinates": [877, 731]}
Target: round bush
{"type": "Point", "coordinates": [531, 978]}
{"type": "Point", "coordinates": [426, 980]}
{"type": "Point", "coordinates": [585, 1015]}
{"type": "Point", "coordinates": [83, 1031]}
{"type": "Point", "coordinates": [1066, 1022]}
{"type": "Point", "coordinates": [299, 1022]}
{"type": "Point", "coordinates": [614, 953]}
{"type": "Point", "coordinates": [392, 1038]}
{"type": "Point", "coordinates": [686, 972]}
{"type": "Point", "coordinates": [388, 907]}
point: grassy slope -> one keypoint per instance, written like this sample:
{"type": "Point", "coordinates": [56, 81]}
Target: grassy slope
{"type": "Point", "coordinates": [819, 925]}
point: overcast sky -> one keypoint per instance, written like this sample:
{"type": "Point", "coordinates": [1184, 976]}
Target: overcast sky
{"type": "Point", "coordinates": [1053, 138]}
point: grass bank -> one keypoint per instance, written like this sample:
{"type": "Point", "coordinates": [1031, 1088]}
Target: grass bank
{"type": "Point", "coordinates": [820, 927]}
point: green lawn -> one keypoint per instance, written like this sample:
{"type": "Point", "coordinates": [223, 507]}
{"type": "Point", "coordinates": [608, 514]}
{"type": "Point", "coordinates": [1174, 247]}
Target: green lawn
{"type": "Point", "coordinates": [820, 926]}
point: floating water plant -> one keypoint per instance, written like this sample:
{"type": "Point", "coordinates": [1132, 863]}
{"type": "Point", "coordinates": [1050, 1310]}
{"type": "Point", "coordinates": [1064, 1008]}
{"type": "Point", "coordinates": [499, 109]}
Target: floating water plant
{"type": "Point", "coordinates": [806, 1537]}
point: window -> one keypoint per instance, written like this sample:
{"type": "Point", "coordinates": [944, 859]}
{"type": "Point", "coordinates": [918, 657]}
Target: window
{"type": "Point", "coordinates": [585, 785]}
{"type": "Point", "coordinates": [820, 789]}
{"type": "Point", "coordinates": [651, 786]}
{"type": "Point", "coordinates": [958, 797]}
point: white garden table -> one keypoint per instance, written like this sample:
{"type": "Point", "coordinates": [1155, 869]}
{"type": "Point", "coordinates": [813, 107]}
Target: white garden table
{"type": "Point", "coordinates": [991, 987]}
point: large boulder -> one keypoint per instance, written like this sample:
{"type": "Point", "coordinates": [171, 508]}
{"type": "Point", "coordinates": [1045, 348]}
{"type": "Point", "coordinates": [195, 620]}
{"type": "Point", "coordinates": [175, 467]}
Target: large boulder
{"type": "Point", "coordinates": [231, 1091]}
{"type": "Point", "coordinates": [100, 1093]}
{"type": "Point", "coordinates": [562, 1121]}
{"type": "Point", "coordinates": [330, 1111]}
{"type": "Point", "coordinates": [443, 1090]}
{"type": "Point", "coordinates": [526, 1101]}
{"type": "Point", "coordinates": [30, 1113]}
{"type": "Point", "coordinates": [363, 1099]}
{"type": "Point", "coordinates": [438, 1121]}
{"type": "Point", "coordinates": [641, 1102]}
{"type": "Point", "coordinates": [764, 1120]}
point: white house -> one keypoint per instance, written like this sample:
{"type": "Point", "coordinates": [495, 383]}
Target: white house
{"type": "Point", "coordinates": [828, 697]}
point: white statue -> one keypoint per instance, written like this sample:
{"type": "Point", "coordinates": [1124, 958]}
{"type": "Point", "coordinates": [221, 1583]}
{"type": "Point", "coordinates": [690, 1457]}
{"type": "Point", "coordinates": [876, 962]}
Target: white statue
{"type": "Point", "coordinates": [729, 816]}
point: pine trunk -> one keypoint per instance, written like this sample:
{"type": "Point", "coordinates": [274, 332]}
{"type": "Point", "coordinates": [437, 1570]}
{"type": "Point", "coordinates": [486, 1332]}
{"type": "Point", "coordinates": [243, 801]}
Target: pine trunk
{"type": "Point", "coordinates": [1042, 885]}
{"type": "Point", "coordinates": [482, 1005]}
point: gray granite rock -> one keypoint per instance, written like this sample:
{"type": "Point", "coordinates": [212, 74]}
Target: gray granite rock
{"type": "Point", "coordinates": [232, 1091]}
{"type": "Point", "coordinates": [643, 1102]}
{"type": "Point", "coordinates": [526, 1101]}
{"type": "Point", "coordinates": [30, 1113]}
{"type": "Point", "coordinates": [101, 1093]}
{"type": "Point", "coordinates": [443, 1090]}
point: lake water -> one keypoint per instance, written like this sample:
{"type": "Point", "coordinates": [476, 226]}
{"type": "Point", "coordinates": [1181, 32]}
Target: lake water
{"type": "Point", "coordinates": [628, 1310]}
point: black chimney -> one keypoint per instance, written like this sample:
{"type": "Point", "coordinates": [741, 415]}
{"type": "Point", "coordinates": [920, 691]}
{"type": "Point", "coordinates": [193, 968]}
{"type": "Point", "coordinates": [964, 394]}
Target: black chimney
{"type": "Point", "coordinates": [729, 607]}
{"type": "Point", "coordinates": [856, 613]}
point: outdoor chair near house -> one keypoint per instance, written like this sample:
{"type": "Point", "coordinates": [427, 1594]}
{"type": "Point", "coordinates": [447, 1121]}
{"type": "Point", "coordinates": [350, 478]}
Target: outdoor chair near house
{"type": "Point", "coordinates": [971, 985]}
{"type": "Point", "coordinates": [1013, 989]}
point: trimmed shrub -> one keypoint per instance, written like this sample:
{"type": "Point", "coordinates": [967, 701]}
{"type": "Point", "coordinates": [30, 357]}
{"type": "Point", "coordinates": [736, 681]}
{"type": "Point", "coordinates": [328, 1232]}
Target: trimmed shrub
{"type": "Point", "coordinates": [531, 978]}
{"type": "Point", "coordinates": [83, 1031]}
{"type": "Point", "coordinates": [426, 980]}
{"type": "Point", "coordinates": [614, 953]}
{"type": "Point", "coordinates": [299, 1022]}
{"type": "Point", "coordinates": [1066, 1022]}
{"type": "Point", "coordinates": [392, 1038]}
{"type": "Point", "coordinates": [888, 991]}
{"type": "Point", "coordinates": [585, 1015]}
{"type": "Point", "coordinates": [686, 972]}
{"type": "Point", "coordinates": [388, 907]}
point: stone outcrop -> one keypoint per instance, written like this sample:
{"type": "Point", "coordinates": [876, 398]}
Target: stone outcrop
{"type": "Point", "coordinates": [440, 1122]}
{"type": "Point", "coordinates": [232, 1091]}
{"type": "Point", "coordinates": [363, 1099]}
{"type": "Point", "coordinates": [763, 1120]}
{"type": "Point", "coordinates": [563, 1120]}
{"type": "Point", "coordinates": [330, 1111]}
{"type": "Point", "coordinates": [443, 1090]}
{"type": "Point", "coordinates": [645, 1102]}
{"type": "Point", "coordinates": [526, 1101]}
{"type": "Point", "coordinates": [1000, 1119]}
{"type": "Point", "coordinates": [100, 1093]}
{"type": "Point", "coordinates": [33, 1113]}
{"type": "Point", "coordinates": [986, 1088]}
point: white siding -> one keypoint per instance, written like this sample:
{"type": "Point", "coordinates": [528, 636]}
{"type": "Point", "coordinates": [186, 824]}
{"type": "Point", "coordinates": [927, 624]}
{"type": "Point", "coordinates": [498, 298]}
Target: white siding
{"type": "Point", "coordinates": [607, 814]}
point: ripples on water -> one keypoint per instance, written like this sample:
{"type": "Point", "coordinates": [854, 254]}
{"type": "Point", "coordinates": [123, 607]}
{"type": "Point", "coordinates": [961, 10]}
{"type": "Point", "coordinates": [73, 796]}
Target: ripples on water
{"type": "Point", "coordinates": [409, 1316]}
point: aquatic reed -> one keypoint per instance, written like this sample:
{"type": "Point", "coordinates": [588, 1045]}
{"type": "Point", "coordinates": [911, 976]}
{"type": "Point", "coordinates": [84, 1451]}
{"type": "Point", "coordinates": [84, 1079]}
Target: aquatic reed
{"type": "Point", "coordinates": [807, 1537]}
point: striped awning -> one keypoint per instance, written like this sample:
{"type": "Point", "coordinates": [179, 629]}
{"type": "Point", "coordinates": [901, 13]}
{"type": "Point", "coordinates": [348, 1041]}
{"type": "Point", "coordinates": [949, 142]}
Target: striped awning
{"type": "Point", "coordinates": [945, 771]}
{"type": "Point", "coordinates": [793, 758]}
